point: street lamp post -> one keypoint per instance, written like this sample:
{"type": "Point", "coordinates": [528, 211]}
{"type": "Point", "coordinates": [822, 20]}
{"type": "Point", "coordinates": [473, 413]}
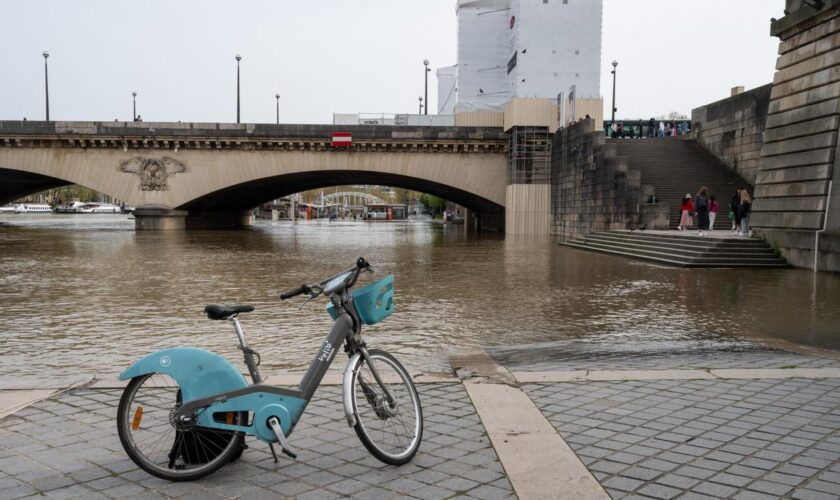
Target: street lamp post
{"type": "Point", "coordinates": [426, 86]}
{"type": "Point", "coordinates": [420, 110]}
{"type": "Point", "coordinates": [277, 97]}
{"type": "Point", "coordinates": [134, 106]}
{"type": "Point", "coordinates": [47, 84]}
{"type": "Point", "coordinates": [238, 58]}
{"type": "Point", "coordinates": [614, 109]}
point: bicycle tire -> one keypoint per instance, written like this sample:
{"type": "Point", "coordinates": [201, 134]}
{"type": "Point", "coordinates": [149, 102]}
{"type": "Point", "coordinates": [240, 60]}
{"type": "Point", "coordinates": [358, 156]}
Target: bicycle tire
{"type": "Point", "coordinates": [231, 450]}
{"type": "Point", "coordinates": [367, 397]}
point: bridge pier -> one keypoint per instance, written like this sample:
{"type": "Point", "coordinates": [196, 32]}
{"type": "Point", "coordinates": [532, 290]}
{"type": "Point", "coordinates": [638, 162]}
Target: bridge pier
{"type": "Point", "coordinates": [220, 220]}
{"type": "Point", "coordinates": [152, 218]}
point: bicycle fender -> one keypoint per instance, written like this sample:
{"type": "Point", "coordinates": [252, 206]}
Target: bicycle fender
{"type": "Point", "coordinates": [199, 373]}
{"type": "Point", "coordinates": [347, 388]}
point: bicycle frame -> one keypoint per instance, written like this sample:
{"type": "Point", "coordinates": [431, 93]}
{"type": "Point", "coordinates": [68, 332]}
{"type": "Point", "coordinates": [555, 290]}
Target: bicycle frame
{"type": "Point", "coordinates": [266, 401]}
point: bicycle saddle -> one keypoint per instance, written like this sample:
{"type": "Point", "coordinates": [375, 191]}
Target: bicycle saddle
{"type": "Point", "coordinates": [218, 311]}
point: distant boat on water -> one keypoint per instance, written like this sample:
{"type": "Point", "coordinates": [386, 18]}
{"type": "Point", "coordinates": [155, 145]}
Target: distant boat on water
{"type": "Point", "coordinates": [32, 208]}
{"type": "Point", "coordinates": [82, 207]}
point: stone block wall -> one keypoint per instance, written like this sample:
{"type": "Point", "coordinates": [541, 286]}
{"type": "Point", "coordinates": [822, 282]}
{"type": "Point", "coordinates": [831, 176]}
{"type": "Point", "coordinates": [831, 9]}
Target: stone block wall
{"type": "Point", "coordinates": [732, 129]}
{"type": "Point", "coordinates": [592, 189]}
{"type": "Point", "coordinates": [799, 157]}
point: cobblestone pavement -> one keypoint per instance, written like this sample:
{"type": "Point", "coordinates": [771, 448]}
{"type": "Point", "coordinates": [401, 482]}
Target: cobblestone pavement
{"type": "Point", "coordinates": [552, 360]}
{"type": "Point", "coordinates": [744, 439]}
{"type": "Point", "coordinates": [69, 447]}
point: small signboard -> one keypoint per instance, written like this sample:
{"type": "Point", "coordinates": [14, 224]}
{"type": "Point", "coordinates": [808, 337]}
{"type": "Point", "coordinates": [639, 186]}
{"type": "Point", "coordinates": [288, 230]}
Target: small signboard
{"type": "Point", "coordinates": [342, 139]}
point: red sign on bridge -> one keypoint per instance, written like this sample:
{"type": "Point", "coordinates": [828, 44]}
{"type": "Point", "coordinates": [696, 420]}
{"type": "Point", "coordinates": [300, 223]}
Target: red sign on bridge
{"type": "Point", "coordinates": [342, 139]}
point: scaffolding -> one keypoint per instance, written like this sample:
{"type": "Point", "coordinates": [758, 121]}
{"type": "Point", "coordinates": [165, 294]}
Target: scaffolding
{"type": "Point", "coordinates": [529, 160]}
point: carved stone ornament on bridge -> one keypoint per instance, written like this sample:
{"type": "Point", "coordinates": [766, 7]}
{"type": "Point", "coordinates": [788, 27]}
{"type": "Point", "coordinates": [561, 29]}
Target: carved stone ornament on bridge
{"type": "Point", "coordinates": [153, 172]}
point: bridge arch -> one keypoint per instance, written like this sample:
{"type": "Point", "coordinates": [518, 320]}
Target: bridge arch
{"type": "Point", "coordinates": [229, 179]}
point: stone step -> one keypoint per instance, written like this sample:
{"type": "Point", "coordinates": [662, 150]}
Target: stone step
{"type": "Point", "coordinates": [681, 256]}
{"type": "Point", "coordinates": [682, 238]}
{"type": "Point", "coordinates": [669, 260]}
{"type": "Point", "coordinates": [683, 250]}
{"type": "Point", "coordinates": [687, 250]}
{"type": "Point", "coordinates": [673, 167]}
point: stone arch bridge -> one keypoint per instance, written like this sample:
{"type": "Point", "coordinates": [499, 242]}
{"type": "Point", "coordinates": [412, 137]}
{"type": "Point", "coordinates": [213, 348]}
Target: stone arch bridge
{"type": "Point", "coordinates": [209, 175]}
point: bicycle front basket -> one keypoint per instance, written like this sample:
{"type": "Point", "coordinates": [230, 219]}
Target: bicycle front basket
{"type": "Point", "coordinates": [374, 302]}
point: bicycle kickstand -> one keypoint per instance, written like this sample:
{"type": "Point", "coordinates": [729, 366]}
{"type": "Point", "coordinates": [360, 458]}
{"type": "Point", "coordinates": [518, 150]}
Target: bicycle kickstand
{"type": "Point", "coordinates": [284, 445]}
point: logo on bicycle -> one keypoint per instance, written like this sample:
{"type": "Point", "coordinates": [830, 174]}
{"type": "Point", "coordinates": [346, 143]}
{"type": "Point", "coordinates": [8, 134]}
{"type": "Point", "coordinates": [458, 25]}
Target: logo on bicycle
{"type": "Point", "coordinates": [326, 351]}
{"type": "Point", "coordinates": [165, 361]}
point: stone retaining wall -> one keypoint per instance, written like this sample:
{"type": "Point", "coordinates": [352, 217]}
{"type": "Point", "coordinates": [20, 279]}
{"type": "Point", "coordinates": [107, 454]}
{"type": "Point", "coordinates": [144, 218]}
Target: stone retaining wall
{"type": "Point", "coordinates": [732, 129]}
{"type": "Point", "coordinates": [799, 157]}
{"type": "Point", "coordinates": [592, 189]}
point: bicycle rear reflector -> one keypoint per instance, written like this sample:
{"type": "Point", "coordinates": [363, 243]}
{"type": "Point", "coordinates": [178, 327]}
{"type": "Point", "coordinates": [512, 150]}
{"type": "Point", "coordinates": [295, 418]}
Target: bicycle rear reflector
{"type": "Point", "coordinates": [138, 414]}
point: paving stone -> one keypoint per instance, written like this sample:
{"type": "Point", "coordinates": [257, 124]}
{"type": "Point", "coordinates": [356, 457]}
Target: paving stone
{"type": "Point", "coordinates": [753, 495]}
{"type": "Point", "coordinates": [332, 462]}
{"type": "Point", "coordinates": [659, 491]}
{"type": "Point", "coordinates": [729, 436]}
{"type": "Point", "coordinates": [715, 490]}
{"type": "Point", "coordinates": [806, 494]}
{"type": "Point", "coordinates": [622, 483]}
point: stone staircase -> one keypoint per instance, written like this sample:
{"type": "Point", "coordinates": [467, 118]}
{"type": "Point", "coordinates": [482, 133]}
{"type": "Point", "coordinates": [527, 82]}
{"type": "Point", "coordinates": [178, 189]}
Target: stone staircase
{"type": "Point", "coordinates": [672, 167]}
{"type": "Point", "coordinates": [683, 249]}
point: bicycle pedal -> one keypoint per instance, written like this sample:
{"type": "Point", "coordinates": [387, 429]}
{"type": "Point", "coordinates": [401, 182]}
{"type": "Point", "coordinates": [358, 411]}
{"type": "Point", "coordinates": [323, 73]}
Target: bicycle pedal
{"type": "Point", "coordinates": [281, 438]}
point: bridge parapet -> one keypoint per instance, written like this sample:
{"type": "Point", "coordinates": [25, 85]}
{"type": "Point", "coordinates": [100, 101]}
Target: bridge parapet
{"type": "Point", "coordinates": [168, 135]}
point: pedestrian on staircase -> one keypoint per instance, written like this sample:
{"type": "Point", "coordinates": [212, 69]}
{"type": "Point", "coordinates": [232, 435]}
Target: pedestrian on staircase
{"type": "Point", "coordinates": [652, 128]}
{"type": "Point", "coordinates": [687, 210]}
{"type": "Point", "coordinates": [734, 202]}
{"type": "Point", "coordinates": [745, 209]}
{"type": "Point", "coordinates": [661, 129]}
{"type": "Point", "coordinates": [701, 206]}
{"type": "Point", "coordinates": [714, 206]}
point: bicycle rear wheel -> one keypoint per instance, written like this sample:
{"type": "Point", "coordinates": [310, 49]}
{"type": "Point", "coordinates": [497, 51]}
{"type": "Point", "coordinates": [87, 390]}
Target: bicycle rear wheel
{"type": "Point", "coordinates": [391, 433]}
{"type": "Point", "coordinates": [162, 446]}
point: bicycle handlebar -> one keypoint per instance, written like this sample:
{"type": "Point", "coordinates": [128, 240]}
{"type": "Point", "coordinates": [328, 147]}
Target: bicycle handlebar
{"type": "Point", "coordinates": [297, 291]}
{"type": "Point", "coordinates": [361, 264]}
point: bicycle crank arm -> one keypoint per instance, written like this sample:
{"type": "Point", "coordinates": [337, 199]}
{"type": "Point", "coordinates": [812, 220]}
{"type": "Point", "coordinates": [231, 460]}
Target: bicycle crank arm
{"type": "Point", "coordinates": [281, 438]}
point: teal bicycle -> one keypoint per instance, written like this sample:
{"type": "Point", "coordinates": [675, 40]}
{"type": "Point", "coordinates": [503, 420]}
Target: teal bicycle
{"type": "Point", "coordinates": [185, 412]}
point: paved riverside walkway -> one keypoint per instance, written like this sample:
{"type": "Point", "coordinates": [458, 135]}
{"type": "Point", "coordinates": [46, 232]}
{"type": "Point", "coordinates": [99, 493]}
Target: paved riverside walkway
{"type": "Point", "coordinates": [768, 431]}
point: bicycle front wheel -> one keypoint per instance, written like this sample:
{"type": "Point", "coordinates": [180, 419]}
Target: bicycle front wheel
{"type": "Point", "coordinates": [161, 445]}
{"type": "Point", "coordinates": [391, 432]}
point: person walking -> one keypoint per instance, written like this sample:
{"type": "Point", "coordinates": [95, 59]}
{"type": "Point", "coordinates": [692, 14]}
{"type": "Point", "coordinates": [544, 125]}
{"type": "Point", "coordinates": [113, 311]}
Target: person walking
{"type": "Point", "coordinates": [733, 209]}
{"type": "Point", "coordinates": [714, 206]}
{"type": "Point", "coordinates": [652, 128]}
{"type": "Point", "coordinates": [687, 211]}
{"type": "Point", "coordinates": [613, 129]}
{"type": "Point", "coordinates": [701, 207]}
{"type": "Point", "coordinates": [745, 208]}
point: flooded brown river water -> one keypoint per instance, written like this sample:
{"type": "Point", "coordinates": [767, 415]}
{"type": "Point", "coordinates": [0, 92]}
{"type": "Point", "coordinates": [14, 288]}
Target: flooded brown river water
{"type": "Point", "coordinates": [83, 295]}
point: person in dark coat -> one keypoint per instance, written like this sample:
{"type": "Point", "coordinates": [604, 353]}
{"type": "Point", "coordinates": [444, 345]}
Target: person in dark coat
{"type": "Point", "coordinates": [734, 202]}
{"type": "Point", "coordinates": [701, 206]}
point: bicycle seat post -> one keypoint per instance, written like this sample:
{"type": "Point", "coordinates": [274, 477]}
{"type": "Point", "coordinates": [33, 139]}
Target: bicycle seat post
{"type": "Point", "coordinates": [249, 353]}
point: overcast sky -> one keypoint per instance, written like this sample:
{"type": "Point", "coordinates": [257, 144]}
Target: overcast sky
{"type": "Point", "coordinates": [325, 56]}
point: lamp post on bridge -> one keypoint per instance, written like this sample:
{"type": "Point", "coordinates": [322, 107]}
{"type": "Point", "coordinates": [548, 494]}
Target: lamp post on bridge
{"type": "Point", "coordinates": [238, 58]}
{"type": "Point", "coordinates": [47, 83]}
{"type": "Point", "coordinates": [277, 97]}
{"type": "Point", "coordinates": [420, 110]}
{"type": "Point", "coordinates": [615, 66]}
{"type": "Point", "coordinates": [134, 106]}
{"type": "Point", "coordinates": [426, 86]}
